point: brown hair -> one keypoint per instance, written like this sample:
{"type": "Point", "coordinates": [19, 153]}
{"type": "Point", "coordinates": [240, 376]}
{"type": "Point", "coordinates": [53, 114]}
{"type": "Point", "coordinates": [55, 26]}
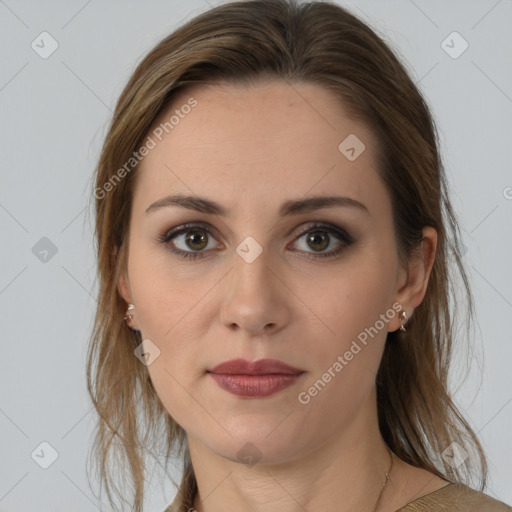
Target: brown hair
{"type": "Point", "coordinates": [324, 44]}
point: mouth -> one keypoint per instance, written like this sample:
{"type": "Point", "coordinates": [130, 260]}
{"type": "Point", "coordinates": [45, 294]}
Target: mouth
{"type": "Point", "coordinates": [254, 379]}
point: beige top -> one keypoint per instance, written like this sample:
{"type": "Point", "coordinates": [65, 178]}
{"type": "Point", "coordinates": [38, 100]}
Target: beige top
{"type": "Point", "coordinates": [451, 498]}
{"type": "Point", "coordinates": [456, 498]}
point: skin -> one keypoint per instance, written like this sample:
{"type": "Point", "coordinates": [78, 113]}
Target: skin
{"type": "Point", "coordinates": [250, 149]}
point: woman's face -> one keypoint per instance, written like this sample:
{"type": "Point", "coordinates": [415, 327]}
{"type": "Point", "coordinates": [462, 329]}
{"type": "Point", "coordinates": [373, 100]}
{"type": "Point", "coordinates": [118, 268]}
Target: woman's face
{"type": "Point", "coordinates": [265, 282]}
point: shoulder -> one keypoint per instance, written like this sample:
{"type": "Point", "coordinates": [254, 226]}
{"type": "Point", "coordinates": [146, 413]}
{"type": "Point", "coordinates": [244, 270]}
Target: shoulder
{"type": "Point", "coordinates": [456, 498]}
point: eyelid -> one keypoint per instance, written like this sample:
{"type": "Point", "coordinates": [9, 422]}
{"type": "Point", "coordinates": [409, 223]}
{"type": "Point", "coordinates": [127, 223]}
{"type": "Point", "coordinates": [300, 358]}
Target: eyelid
{"type": "Point", "coordinates": [328, 226]}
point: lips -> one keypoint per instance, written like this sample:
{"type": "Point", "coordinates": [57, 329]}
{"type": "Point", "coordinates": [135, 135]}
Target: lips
{"type": "Point", "coordinates": [261, 367]}
{"type": "Point", "coordinates": [256, 379]}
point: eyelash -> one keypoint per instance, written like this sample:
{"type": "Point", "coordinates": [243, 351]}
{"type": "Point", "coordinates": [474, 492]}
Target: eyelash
{"type": "Point", "coordinates": [326, 227]}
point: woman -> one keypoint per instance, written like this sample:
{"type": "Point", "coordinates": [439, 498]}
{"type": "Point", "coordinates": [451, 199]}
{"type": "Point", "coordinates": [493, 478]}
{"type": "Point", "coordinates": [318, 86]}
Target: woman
{"type": "Point", "coordinates": [274, 237]}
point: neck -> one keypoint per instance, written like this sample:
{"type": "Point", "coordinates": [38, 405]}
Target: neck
{"type": "Point", "coordinates": [347, 468]}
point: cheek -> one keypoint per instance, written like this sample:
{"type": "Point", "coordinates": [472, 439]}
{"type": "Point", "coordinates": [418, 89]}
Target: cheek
{"type": "Point", "coordinates": [163, 294]}
{"type": "Point", "coordinates": [175, 387]}
{"type": "Point", "coordinates": [170, 311]}
{"type": "Point", "coordinates": [344, 365]}
{"type": "Point", "coordinates": [355, 308]}
{"type": "Point", "coordinates": [353, 299]}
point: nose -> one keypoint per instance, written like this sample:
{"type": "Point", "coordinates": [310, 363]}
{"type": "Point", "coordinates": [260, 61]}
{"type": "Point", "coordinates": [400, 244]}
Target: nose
{"type": "Point", "coordinates": [256, 297]}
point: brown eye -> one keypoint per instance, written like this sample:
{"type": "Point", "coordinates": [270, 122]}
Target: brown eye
{"type": "Point", "coordinates": [196, 240]}
{"type": "Point", "coordinates": [318, 240]}
{"type": "Point", "coordinates": [189, 241]}
{"type": "Point", "coordinates": [318, 237]}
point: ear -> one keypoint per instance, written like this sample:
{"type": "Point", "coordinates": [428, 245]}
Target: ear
{"type": "Point", "coordinates": [413, 281]}
{"type": "Point", "coordinates": [123, 285]}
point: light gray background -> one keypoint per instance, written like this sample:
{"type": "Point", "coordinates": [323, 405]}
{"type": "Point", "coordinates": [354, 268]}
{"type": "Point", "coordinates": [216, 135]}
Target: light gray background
{"type": "Point", "coordinates": [54, 114]}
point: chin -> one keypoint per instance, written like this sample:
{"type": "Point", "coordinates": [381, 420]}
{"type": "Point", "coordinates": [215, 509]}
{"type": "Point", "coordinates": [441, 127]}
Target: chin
{"type": "Point", "coordinates": [252, 445]}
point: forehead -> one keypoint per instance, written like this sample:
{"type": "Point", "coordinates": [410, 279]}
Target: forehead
{"type": "Point", "coordinates": [250, 145]}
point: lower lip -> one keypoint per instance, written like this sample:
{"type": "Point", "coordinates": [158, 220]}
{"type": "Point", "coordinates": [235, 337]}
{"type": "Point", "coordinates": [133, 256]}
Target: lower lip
{"type": "Point", "coordinates": [254, 385]}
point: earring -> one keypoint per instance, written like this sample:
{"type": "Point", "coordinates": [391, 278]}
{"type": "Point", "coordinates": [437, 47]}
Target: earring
{"type": "Point", "coordinates": [403, 320]}
{"type": "Point", "coordinates": [128, 318]}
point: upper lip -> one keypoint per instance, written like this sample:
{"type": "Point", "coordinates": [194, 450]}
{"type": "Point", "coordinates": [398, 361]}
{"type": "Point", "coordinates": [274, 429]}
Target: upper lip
{"type": "Point", "coordinates": [261, 367]}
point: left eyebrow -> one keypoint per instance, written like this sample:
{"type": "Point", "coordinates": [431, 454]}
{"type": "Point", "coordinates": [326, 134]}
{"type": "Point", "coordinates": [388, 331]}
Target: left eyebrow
{"type": "Point", "coordinates": [290, 207]}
